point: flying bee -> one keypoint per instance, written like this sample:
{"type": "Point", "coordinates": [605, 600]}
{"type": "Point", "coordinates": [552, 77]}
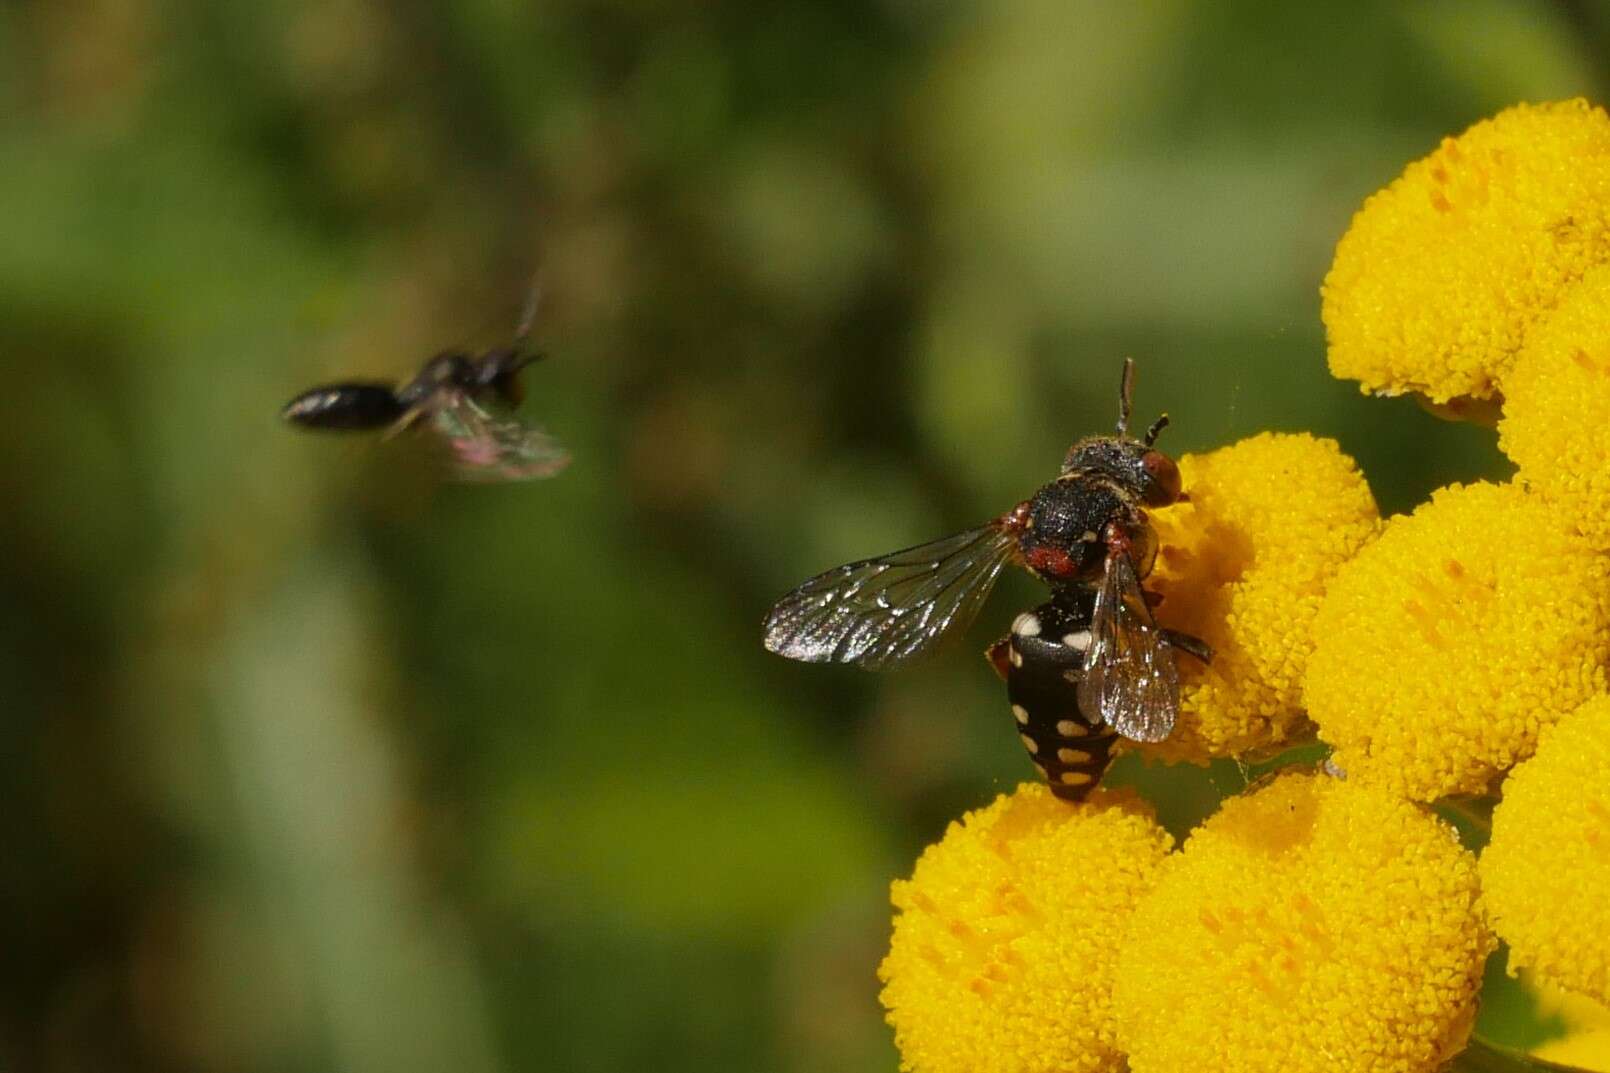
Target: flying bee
{"type": "Point", "coordinates": [1089, 665]}
{"type": "Point", "coordinates": [468, 400]}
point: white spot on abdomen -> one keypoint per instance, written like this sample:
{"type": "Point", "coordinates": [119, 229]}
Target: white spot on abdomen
{"type": "Point", "coordinates": [1026, 625]}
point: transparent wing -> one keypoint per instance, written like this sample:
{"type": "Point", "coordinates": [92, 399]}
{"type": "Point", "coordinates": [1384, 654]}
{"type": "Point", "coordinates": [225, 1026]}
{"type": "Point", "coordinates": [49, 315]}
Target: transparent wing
{"type": "Point", "coordinates": [1130, 681]}
{"type": "Point", "coordinates": [878, 612]}
{"type": "Point", "coordinates": [490, 448]}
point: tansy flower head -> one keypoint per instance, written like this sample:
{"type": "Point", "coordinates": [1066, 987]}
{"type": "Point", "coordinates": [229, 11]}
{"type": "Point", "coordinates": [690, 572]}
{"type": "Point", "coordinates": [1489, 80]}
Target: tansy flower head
{"type": "Point", "coordinates": [1243, 565]}
{"type": "Point", "coordinates": [1008, 931]}
{"type": "Point", "coordinates": [1441, 275]}
{"type": "Point", "coordinates": [1556, 402]}
{"type": "Point", "coordinates": [1448, 643]}
{"type": "Point", "coordinates": [1546, 872]}
{"type": "Point", "coordinates": [1313, 925]}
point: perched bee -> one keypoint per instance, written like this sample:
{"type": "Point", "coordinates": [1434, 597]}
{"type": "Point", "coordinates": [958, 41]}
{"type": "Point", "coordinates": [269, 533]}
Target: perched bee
{"type": "Point", "coordinates": [457, 395]}
{"type": "Point", "coordinates": [1083, 668]}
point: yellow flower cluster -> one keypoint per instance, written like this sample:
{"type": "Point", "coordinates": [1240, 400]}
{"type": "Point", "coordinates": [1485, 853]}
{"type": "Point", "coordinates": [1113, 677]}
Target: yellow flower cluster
{"type": "Point", "coordinates": [1556, 423]}
{"type": "Point", "coordinates": [1546, 873]}
{"type": "Point", "coordinates": [1449, 642]}
{"type": "Point", "coordinates": [1313, 925]}
{"type": "Point", "coordinates": [1442, 274]}
{"type": "Point", "coordinates": [1244, 565]}
{"type": "Point", "coordinates": [1008, 931]}
{"type": "Point", "coordinates": [1324, 923]}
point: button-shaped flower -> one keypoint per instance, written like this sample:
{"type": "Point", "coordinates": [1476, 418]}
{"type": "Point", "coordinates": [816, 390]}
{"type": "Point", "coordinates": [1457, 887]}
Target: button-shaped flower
{"type": "Point", "coordinates": [1244, 565]}
{"type": "Point", "coordinates": [1313, 925]}
{"type": "Point", "coordinates": [1546, 872]}
{"type": "Point", "coordinates": [1556, 424]}
{"type": "Point", "coordinates": [1442, 274]}
{"type": "Point", "coordinates": [1008, 932]}
{"type": "Point", "coordinates": [1447, 644]}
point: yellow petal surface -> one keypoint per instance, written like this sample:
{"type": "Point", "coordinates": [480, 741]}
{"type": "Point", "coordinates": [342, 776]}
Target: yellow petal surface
{"type": "Point", "coordinates": [1244, 564]}
{"type": "Point", "coordinates": [1312, 925]}
{"type": "Point", "coordinates": [1441, 274]}
{"type": "Point", "coordinates": [1008, 932]}
{"type": "Point", "coordinates": [1546, 872]}
{"type": "Point", "coordinates": [1446, 645]}
{"type": "Point", "coordinates": [1556, 423]}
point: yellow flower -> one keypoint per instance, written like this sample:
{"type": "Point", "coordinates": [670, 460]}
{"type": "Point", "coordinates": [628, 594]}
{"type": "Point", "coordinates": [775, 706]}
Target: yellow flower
{"type": "Point", "coordinates": [1313, 925]}
{"type": "Point", "coordinates": [1008, 931]}
{"type": "Point", "coordinates": [1244, 564]}
{"type": "Point", "coordinates": [1441, 275]}
{"type": "Point", "coordinates": [1546, 873]}
{"type": "Point", "coordinates": [1556, 400]}
{"type": "Point", "coordinates": [1448, 643]}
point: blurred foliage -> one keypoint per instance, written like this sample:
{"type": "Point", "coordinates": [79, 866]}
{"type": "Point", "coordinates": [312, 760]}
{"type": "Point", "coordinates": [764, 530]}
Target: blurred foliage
{"type": "Point", "coordinates": [317, 763]}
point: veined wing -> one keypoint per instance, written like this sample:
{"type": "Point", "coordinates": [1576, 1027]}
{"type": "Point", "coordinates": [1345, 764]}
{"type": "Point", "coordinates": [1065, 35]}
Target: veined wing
{"type": "Point", "coordinates": [490, 448]}
{"type": "Point", "coordinates": [879, 612]}
{"type": "Point", "coordinates": [1130, 680]}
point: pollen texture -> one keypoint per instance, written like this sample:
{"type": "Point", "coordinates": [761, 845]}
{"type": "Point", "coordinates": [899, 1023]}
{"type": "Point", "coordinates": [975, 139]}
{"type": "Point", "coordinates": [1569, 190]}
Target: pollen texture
{"type": "Point", "coordinates": [1546, 872]}
{"type": "Point", "coordinates": [1243, 565]}
{"type": "Point", "coordinates": [1446, 645]}
{"type": "Point", "coordinates": [1315, 925]}
{"type": "Point", "coordinates": [1442, 274]}
{"type": "Point", "coordinates": [1556, 423]}
{"type": "Point", "coordinates": [1007, 935]}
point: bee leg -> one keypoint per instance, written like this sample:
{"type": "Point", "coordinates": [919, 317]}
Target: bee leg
{"type": "Point", "coordinates": [1191, 646]}
{"type": "Point", "coordinates": [999, 657]}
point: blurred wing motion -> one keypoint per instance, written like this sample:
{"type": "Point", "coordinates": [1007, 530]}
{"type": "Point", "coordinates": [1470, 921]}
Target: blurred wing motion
{"type": "Point", "coordinates": [878, 612]}
{"type": "Point", "coordinates": [1130, 681]}
{"type": "Point", "coordinates": [490, 448]}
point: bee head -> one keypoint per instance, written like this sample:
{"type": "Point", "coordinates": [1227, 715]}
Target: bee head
{"type": "Point", "coordinates": [500, 370]}
{"type": "Point", "coordinates": [1139, 467]}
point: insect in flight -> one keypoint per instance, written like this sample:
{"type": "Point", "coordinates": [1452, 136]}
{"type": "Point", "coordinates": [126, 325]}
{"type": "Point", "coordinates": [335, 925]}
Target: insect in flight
{"type": "Point", "coordinates": [467, 400]}
{"type": "Point", "coordinates": [1085, 667]}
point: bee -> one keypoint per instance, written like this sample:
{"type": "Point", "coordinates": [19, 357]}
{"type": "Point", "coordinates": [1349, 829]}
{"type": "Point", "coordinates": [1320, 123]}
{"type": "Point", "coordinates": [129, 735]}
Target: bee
{"type": "Point", "coordinates": [1089, 665]}
{"type": "Point", "coordinates": [467, 400]}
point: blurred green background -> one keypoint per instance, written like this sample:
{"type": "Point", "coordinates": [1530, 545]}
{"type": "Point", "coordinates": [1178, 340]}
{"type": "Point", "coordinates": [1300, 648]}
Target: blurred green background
{"type": "Point", "coordinates": [313, 762]}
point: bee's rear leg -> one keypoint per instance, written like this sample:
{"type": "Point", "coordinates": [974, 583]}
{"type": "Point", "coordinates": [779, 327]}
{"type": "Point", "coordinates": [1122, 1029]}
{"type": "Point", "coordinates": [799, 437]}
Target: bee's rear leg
{"type": "Point", "coordinates": [999, 656]}
{"type": "Point", "coordinates": [1192, 646]}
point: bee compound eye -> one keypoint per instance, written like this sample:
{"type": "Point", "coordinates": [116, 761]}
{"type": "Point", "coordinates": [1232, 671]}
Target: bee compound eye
{"type": "Point", "coordinates": [1163, 479]}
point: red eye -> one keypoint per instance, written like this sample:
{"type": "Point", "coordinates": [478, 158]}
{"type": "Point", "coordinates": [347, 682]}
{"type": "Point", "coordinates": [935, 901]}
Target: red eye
{"type": "Point", "coordinates": [1163, 479]}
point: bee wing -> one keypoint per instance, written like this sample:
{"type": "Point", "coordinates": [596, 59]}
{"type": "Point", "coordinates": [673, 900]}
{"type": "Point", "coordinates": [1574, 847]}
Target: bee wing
{"type": "Point", "coordinates": [879, 612]}
{"type": "Point", "coordinates": [1130, 681]}
{"type": "Point", "coordinates": [489, 448]}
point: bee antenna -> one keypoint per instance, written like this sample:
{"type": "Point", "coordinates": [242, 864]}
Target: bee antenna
{"type": "Point", "coordinates": [528, 314]}
{"type": "Point", "coordinates": [1157, 426]}
{"type": "Point", "coordinates": [1126, 393]}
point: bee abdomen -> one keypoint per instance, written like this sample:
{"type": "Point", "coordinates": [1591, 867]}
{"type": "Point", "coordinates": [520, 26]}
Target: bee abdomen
{"type": "Point", "coordinates": [356, 405]}
{"type": "Point", "coordinates": [1044, 661]}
